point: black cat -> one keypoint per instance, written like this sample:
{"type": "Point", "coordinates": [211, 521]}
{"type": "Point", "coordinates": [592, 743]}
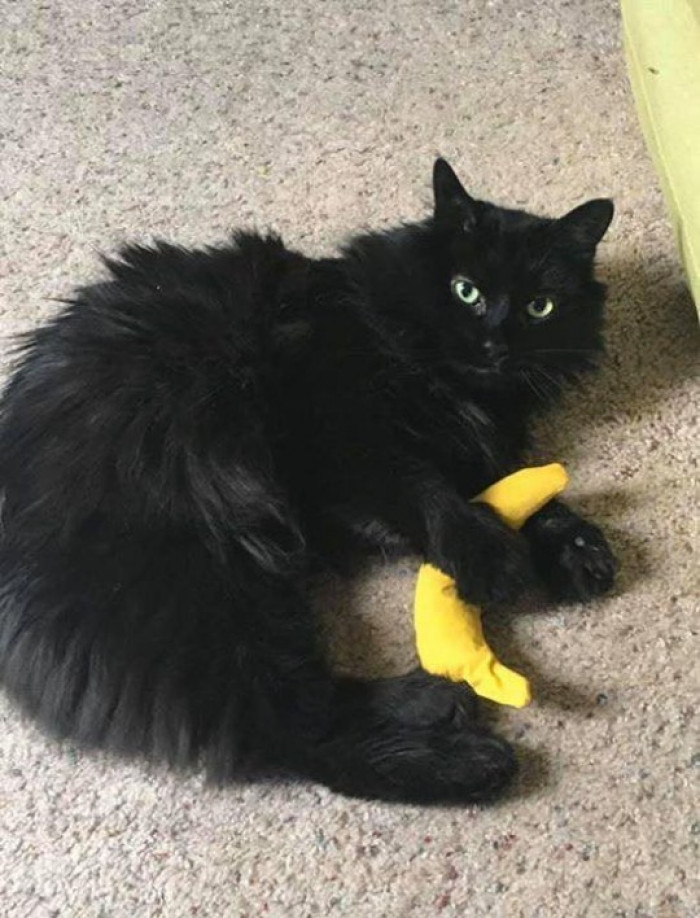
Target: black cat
{"type": "Point", "coordinates": [185, 439]}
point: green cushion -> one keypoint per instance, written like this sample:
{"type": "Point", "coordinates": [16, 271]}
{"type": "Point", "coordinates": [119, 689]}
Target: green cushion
{"type": "Point", "coordinates": [662, 43]}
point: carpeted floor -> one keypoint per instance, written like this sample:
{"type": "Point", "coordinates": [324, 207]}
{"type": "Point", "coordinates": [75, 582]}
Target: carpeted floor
{"type": "Point", "coordinates": [183, 119]}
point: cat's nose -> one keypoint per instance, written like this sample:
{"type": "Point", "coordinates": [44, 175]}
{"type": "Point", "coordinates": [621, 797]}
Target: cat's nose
{"type": "Point", "coordinates": [495, 350]}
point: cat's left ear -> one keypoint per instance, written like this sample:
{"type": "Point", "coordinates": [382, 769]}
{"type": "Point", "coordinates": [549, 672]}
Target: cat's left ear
{"type": "Point", "coordinates": [453, 206]}
{"type": "Point", "coordinates": [584, 226]}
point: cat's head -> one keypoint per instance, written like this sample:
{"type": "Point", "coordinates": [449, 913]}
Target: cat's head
{"type": "Point", "coordinates": [518, 300]}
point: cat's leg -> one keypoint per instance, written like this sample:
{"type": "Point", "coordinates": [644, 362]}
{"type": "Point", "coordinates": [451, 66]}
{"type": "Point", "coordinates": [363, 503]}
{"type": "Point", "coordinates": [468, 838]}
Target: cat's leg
{"type": "Point", "coordinates": [468, 541]}
{"type": "Point", "coordinates": [488, 560]}
{"type": "Point", "coordinates": [413, 738]}
{"type": "Point", "coordinates": [570, 555]}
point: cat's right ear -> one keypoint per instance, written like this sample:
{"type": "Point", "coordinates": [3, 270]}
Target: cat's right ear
{"type": "Point", "coordinates": [584, 226]}
{"type": "Point", "coordinates": [453, 206]}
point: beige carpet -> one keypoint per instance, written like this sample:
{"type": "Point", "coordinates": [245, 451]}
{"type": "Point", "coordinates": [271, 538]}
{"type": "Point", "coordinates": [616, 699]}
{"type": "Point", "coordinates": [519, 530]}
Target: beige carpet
{"type": "Point", "coordinates": [182, 119]}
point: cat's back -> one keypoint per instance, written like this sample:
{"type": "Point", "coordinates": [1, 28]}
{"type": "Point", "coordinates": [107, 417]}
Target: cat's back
{"type": "Point", "coordinates": [208, 299]}
{"type": "Point", "coordinates": [163, 313]}
{"type": "Point", "coordinates": [165, 354]}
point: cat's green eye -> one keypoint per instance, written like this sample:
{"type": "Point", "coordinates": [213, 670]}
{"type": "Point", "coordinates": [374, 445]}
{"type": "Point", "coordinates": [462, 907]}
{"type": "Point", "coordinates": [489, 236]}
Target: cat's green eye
{"type": "Point", "coordinates": [467, 292]}
{"type": "Point", "coordinates": [541, 308]}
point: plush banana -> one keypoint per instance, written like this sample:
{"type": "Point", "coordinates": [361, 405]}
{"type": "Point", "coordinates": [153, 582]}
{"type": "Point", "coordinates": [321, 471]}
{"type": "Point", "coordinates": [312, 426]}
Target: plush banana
{"type": "Point", "coordinates": [449, 635]}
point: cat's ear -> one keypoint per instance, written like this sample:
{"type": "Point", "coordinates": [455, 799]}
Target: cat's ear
{"type": "Point", "coordinates": [584, 226]}
{"type": "Point", "coordinates": [453, 206]}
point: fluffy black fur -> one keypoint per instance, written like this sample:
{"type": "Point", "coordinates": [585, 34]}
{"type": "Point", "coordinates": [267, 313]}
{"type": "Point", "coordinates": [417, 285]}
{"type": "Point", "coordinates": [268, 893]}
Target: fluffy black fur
{"type": "Point", "coordinates": [184, 439]}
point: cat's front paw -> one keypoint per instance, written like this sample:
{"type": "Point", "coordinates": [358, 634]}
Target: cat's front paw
{"type": "Point", "coordinates": [575, 563]}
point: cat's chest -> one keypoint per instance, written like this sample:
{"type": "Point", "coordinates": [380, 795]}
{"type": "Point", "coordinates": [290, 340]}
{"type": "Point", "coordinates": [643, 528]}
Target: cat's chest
{"type": "Point", "coordinates": [460, 424]}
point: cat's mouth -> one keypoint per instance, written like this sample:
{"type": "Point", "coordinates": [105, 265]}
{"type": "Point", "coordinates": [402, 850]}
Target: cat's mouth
{"type": "Point", "coordinates": [510, 372]}
{"type": "Point", "coordinates": [486, 364]}
{"type": "Point", "coordinates": [491, 368]}
{"type": "Point", "coordinates": [486, 372]}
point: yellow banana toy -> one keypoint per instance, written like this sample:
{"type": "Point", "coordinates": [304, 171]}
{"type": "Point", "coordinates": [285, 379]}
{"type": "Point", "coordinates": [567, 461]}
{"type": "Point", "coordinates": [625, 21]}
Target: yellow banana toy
{"type": "Point", "coordinates": [449, 636]}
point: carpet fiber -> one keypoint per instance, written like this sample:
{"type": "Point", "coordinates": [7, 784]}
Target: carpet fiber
{"type": "Point", "coordinates": [183, 119]}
